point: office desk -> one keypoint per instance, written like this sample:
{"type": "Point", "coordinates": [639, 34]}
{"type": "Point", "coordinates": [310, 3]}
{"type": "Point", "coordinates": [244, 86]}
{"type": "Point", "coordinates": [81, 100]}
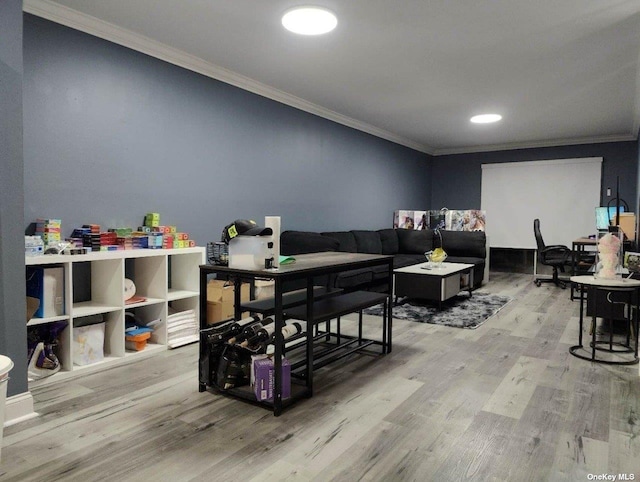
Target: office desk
{"type": "Point", "coordinates": [630, 289]}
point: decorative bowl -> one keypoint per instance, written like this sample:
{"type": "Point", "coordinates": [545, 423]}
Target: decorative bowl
{"type": "Point", "coordinates": [436, 257]}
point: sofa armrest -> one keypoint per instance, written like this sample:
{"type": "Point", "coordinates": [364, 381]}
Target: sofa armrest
{"type": "Point", "coordinates": [464, 243]}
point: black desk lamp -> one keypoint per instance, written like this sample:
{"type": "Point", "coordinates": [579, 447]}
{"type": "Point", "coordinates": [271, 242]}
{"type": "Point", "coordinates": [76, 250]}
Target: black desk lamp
{"type": "Point", "coordinates": [618, 200]}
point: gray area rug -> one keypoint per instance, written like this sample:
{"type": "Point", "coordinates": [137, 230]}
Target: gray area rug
{"type": "Point", "coordinates": [460, 311]}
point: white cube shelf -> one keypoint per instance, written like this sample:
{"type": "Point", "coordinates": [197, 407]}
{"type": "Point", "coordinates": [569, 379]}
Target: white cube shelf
{"type": "Point", "coordinates": [165, 277]}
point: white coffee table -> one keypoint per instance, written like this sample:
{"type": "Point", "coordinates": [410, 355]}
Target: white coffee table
{"type": "Point", "coordinates": [434, 284]}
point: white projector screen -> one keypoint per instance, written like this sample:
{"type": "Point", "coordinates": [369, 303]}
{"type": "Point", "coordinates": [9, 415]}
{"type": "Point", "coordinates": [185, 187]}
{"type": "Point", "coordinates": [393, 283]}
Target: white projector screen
{"type": "Point", "coordinates": [562, 193]}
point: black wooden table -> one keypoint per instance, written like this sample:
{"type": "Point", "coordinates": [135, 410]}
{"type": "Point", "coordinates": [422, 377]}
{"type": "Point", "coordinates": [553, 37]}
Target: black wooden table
{"type": "Point", "coordinates": [306, 267]}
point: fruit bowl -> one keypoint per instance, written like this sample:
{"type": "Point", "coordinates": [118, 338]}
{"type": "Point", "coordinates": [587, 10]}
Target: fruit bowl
{"type": "Point", "coordinates": [436, 257]}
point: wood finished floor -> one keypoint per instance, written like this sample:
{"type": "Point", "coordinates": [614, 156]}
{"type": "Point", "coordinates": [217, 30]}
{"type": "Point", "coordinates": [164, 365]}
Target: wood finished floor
{"type": "Point", "coordinates": [504, 402]}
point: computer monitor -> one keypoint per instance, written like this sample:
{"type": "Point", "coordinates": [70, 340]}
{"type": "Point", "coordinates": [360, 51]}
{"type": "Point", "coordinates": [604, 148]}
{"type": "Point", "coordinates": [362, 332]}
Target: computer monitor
{"type": "Point", "coordinates": [605, 216]}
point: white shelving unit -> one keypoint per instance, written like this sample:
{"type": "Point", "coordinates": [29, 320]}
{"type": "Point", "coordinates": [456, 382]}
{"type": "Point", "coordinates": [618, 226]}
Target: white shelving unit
{"type": "Point", "coordinates": [94, 284]}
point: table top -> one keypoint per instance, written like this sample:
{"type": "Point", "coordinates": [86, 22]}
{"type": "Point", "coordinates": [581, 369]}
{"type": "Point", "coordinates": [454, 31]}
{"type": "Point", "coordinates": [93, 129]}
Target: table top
{"type": "Point", "coordinates": [314, 263]}
{"type": "Point", "coordinates": [589, 280]}
{"type": "Point", "coordinates": [444, 270]}
{"type": "Point", "coordinates": [584, 242]}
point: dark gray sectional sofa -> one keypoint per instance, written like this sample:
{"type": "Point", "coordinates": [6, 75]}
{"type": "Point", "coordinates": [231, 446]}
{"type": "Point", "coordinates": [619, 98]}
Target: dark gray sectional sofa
{"type": "Point", "coordinates": [407, 246]}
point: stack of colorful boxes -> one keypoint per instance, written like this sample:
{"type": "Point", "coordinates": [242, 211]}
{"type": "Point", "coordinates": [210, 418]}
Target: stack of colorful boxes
{"type": "Point", "coordinates": [48, 230]}
{"type": "Point", "coordinates": [155, 240]}
{"type": "Point", "coordinates": [109, 241]}
{"type": "Point", "coordinates": [123, 237]}
{"type": "Point", "coordinates": [89, 238]}
{"type": "Point", "coordinates": [152, 220]}
{"type": "Point", "coordinates": [166, 237]}
{"type": "Point", "coordinates": [140, 240]}
{"type": "Point", "coordinates": [76, 242]}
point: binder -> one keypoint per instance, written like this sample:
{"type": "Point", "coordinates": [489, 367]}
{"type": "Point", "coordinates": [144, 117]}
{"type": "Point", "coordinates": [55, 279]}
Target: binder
{"type": "Point", "coordinates": [47, 284]}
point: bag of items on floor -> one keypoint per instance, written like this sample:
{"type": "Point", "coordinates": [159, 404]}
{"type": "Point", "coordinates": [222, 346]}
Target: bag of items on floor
{"type": "Point", "coordinates": [42, 341]}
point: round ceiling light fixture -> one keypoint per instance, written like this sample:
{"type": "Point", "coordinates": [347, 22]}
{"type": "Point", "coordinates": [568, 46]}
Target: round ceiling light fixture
{"type": "Point", "coordinates": [485, 118]}
{"type": "Point", "coordinates": [309, 20]}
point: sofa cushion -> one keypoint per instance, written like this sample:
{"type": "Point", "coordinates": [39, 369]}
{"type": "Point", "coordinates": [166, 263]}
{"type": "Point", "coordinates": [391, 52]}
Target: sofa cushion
{"type": "Point", "coordinates": [415, 242]}
{"type": "Point", "coordinates": [464, 243]}
{"type": "Point", "coordinates": [368, 242]}
{"type": "Point", "coordinates": [389, 241]}
{"type": "Point", "coordinates": [355, 277]}
{"type": "Point", "coordinates": [299, 242]}
{"type": "Point", "coordinates": [379, 272]}
{"type": "Point", "coordinates": [403, 260]}
{"type": "Point", "coordinates": [345, 238]}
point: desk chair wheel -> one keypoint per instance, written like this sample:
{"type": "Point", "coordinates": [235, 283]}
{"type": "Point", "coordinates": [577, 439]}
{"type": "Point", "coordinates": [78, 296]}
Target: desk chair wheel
{"type": "Point", "coordinates": [557, 282]}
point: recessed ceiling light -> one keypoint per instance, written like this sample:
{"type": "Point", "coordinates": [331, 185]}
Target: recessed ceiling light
{"type": "Point", "coordinates": [485, 118]}
{"type": "Point", "coordinates": [309, 20]}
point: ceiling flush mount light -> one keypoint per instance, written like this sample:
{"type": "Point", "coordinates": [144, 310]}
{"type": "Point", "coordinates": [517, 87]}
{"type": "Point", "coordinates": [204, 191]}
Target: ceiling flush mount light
{"type": "Point", "coordinates": [485, 118]}
{"type": "Point", "coordinates": [309, 20]}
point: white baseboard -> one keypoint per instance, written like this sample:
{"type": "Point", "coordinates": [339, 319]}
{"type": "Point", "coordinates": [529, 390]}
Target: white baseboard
{"type": "Point", "coordinates": [19, 408]}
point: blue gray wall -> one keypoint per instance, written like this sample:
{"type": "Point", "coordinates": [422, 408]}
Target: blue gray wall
{"type": "Point", "coordinates": [13, 331]}
{"type": "Point", "coordinates": [111, 134]}
{"type": "Point", "coordinates": [637, 200]}
{"type": "Point", "coordinates": [463, 172]}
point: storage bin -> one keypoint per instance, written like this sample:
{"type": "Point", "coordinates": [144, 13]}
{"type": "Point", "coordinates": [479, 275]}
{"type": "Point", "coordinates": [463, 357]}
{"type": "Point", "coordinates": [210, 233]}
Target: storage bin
{"type": "Point", "coordinates": [248, 252]}
{"type": "Point", "coordinates": [136, 342]}
{"type": "Point", "coordinates": [88, 344]}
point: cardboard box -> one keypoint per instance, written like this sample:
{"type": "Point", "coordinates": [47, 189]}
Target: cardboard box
{"type": "Point", "coordinates": [264, 383]}
{"type": "Point", "coordinates": [214, 312]}
{"type": "Point", "coordinates": [220, 295]}
{"type": "Point", "coordinates": [627, 224]}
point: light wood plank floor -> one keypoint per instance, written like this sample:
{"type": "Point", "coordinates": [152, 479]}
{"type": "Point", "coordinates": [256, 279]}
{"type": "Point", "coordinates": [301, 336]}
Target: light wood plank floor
{"type": "Point", "coordinates": [503, 402]}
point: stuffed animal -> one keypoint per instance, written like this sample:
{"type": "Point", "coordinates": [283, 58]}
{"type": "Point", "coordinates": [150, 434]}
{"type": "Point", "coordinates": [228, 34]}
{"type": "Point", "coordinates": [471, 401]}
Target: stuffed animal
{"type": "Point", "coordinates": [608, 254]}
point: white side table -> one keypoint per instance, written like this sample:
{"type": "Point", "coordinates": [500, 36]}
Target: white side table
{"type": "Point", "coordinates": [631, 289]}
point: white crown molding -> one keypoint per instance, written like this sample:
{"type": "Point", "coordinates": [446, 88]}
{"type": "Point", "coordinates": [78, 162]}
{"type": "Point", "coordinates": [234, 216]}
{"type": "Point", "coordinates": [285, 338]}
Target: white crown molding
{"type": "Point", "coordinates": [107, 31]}
{"type": "Point", "coordinates": [534, 145]}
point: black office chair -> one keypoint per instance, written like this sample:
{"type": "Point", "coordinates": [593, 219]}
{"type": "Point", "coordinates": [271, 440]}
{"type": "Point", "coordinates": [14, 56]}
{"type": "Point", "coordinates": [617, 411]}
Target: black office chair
{"type": "Point", "coordinates": [556, 256]}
